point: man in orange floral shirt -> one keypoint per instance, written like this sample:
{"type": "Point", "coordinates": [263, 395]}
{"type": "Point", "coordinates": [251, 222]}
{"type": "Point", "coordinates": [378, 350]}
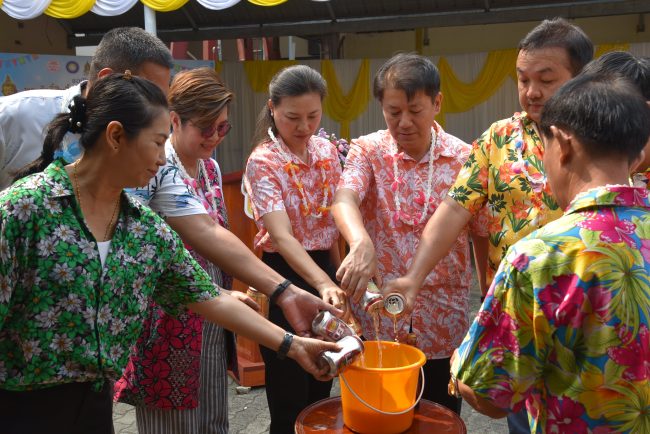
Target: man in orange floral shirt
{"type": "Point", "coordinates": [504, 173]}
{"type": "Point", "coordinates": [392, 183]}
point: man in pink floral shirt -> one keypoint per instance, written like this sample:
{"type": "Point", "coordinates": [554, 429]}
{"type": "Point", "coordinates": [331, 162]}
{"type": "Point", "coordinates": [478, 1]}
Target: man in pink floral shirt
{"type": "Point", "coordinates": [504, 174]}
{"type": "Point", "coordinates": [392, 183]}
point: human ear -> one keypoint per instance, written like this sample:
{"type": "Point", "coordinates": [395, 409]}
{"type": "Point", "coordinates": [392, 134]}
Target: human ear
{"type": "Point", "coordinates": [269, 104]}
{"type": "Point", "coordinates": [114, 135]}
{"type": "Point", "coordinates": [104, 72]}
{"type": "Point", "coordinates": [565, 141]}
{"type": "Point", "coordinates": [437, 103]}
{"type": "Point", "coordinates": [175, 120]}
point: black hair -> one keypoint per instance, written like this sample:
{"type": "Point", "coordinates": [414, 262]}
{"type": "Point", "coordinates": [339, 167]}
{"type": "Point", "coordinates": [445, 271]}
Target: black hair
{"type": "Point", "coordinates": [125, 48]}
{"type": "Point", "coordinates": [130, 100]}
{"type": "Point", "coordinates": [559, 33]}
{"type": "Point", "coordinates": [637, 69]}
{"type": "Point", "coordinates": [605, 112]}
{"type": "Point", "coordinates": [409, 72]}
{"type": "Point", "coordinates": [292, 81]}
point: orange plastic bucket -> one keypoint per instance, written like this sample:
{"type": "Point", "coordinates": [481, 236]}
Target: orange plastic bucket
{"type": "Point", "coordinates": [378, 390]}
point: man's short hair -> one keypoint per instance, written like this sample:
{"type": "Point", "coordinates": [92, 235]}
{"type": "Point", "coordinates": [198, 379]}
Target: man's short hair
{"type": "Point", "coordinates": [559, 33]}
{"type": "Point", "coordinates": [125, 48]}
{"type": "Point", "coordinates": [605, 112]}
{"type": "Point", "coordinates": [636, 69]}
{"type": "Point", "coordinates": [409, 72]}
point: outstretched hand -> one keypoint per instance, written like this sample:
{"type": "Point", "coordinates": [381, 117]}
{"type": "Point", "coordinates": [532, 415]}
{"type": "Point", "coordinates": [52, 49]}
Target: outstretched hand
{"type": "Point", "coordinates": [405, 286]}
{"type": "Point", "coordinates": [244, 298]}
{"type": "Point", "coordinates": [334, 296]}
{"type": "Point", "coordinates": [300, 308]}
{"type": "Point", "coordinates": [306, 351]}
{"type": "Point", "coordinates": [357, 268]}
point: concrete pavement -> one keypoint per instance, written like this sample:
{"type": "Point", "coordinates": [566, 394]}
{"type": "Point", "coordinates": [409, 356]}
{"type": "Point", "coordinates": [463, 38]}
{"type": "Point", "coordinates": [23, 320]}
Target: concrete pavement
{"type": "Point", "coordinates": [248, 414]}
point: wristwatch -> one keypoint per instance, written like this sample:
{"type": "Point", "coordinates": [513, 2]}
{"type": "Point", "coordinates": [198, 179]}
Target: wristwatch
{"type": "Point", "coordinates": [452, 387]}
{"type": "Point", "coordinates": [278, 291]}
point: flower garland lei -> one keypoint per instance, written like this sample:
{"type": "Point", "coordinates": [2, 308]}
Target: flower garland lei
{"type": "Point", "coordinates": [290, 167]}
{"type": "Point", "coordinates": [537, 183]}
{"type": "Point", "coordinates": [342, 146]}
{"type": "Point", "coordinates": [191, 182]}
{"type": "Point", "coordinates": [398, 214]}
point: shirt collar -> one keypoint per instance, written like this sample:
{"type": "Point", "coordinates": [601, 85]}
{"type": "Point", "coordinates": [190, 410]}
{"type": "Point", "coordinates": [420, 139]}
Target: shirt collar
{"type": "Point", "coordinates": [57, 177]}
{"type": "Point", "coordinates": [312, 150]}
{"type": "Point", "coordinates": [610, 195]}
{"type": "Point", "coordinates": [442, 146]}
{"type": "Point", "coordinates": [523, 117]}
{"type": "Point", "coordinates": [61, 185]}
{"type": "Point", "coordinates": [641, 179]}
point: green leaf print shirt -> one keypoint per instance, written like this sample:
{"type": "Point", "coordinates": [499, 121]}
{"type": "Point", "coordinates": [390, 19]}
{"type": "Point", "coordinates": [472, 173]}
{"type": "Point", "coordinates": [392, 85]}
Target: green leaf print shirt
{"type": "Point", "coordinates": [564, 329]}
{"type": "Point", "coordinates": [64, 318]}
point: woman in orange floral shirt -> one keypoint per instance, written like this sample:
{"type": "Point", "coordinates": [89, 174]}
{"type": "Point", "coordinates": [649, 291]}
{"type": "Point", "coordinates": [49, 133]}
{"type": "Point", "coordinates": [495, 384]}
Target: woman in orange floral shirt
{"type": "Point", "coordinates": [290, 177]}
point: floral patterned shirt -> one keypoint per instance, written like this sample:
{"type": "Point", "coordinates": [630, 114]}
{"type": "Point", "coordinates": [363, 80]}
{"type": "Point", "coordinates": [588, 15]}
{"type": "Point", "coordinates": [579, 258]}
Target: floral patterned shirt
{"type": "Point", "coordinates": [440, 318]}
{"type": "Point", "coordinates": [564, 327]}
{"type": "Point", "coordinates": [64, 318]}
{"type": "Point", "coordinates": [513, 190]}
{"type": "Point", "coordinates": [163, 371]}
{"type": "Point", "coordinates": [271, 187]}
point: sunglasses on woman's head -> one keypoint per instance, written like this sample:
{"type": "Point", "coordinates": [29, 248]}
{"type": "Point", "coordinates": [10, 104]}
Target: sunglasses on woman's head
{"type": "Point", "coordinates": [221, 129]}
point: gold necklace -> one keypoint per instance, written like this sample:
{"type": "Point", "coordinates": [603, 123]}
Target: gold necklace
{"type": "Point", "coordinates": [76, 187]}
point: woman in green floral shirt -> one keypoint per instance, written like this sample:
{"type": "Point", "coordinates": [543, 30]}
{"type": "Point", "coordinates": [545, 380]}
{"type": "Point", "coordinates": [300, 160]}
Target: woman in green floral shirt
{"type": "Point", "coordinates": [79, 260]}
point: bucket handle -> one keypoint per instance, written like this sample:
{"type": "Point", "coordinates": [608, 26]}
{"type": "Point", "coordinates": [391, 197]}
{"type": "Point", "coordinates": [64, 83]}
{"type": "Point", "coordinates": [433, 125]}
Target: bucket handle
{"type": "Point", "coordinates": [389, 413]}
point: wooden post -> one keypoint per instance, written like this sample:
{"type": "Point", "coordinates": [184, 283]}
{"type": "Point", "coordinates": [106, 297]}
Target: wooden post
{"type": "Point", "coordinates": [179, 49]}
{"type": "Point", "coordinates": [251, 365]}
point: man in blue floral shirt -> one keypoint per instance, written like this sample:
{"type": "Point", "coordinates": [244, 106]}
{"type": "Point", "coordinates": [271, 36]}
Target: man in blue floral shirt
{"type": "Point", "coordinates": [565, 326]}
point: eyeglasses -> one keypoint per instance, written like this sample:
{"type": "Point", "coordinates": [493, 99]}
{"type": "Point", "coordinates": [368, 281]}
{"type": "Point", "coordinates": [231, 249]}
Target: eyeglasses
{"type": "Point", "coordinates": [221, 129]}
